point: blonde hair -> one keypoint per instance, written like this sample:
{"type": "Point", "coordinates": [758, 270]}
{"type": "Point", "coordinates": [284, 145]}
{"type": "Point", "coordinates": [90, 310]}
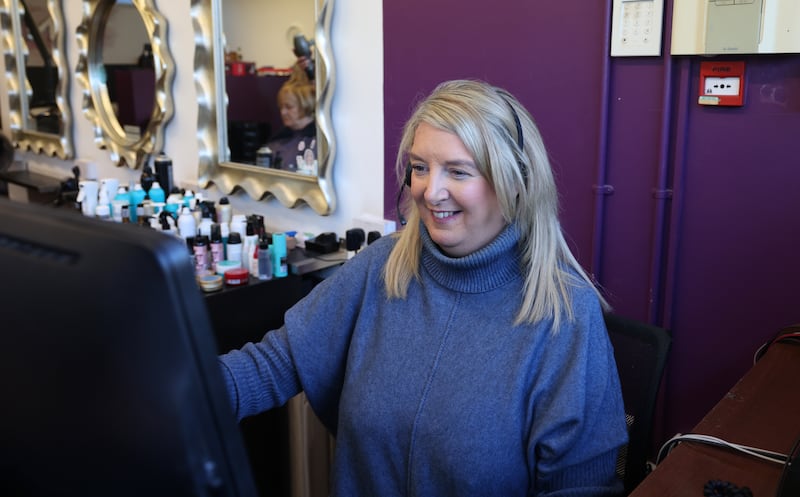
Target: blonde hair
{"type": "Point", "coordinates": [487, 119]}
{"type": "Point", "coordinates": [304, 93]}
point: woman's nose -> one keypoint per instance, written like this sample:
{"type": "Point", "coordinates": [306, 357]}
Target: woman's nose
{"type": "Point", "coordinates": [435, 188]}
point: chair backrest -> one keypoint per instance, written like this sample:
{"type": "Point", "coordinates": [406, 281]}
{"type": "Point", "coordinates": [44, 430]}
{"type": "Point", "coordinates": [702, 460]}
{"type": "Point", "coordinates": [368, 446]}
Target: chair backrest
{"type": "Point", "coordinates": [641, 352]}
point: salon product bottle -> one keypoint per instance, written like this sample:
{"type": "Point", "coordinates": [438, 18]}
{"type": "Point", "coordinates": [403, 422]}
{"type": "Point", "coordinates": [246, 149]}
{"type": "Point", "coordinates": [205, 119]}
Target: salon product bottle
{"type": "Point", "coordinates": [264, 260]}
{"type": "Point", "coordinates": [122, 194]}
{"type": "Point", "coordinates": [146, 57]}
{"type": "Point", "coordinates": [224, 232]}
{"type": "Point", "coordinates": [188, 199]}
{"type": "Point", "coordinates": [103, 208]}
{"type": "Point", "coordinates": [163, 166]}
{"type": "Point", "coordinates": [239, 224]}
{"type": "Point", "coordinates": [201, 255]}
{"type": "Point", "coordinates": [157, 193]}
{"type": "Point", "coordinates": [147, 179]}
{"type": "Point", "coordinates": [258, 219]}
{"type": "Point", "coordinates": [167, 223]}
{"type": "Point", "coordinates": [102, 212]}
{"type": "Point", "coordinates": [205, 224]}
{"type": "Point", "coordinates": [280, 267]}
{"type": "Point", "coordinates": [234, 247]}
{"type": "Point", "coordinates": [253, 261]}
{"type": "Point", "coordinates": [225, 211]}
{"type": "Point", "coordinates": [137, 198]}
{"type": "Point", "coordinates": [186, 224]}
{"type": "Point", "coordinates": [215, 244]}
{"type": "Point", "coordinates": [250, 243]}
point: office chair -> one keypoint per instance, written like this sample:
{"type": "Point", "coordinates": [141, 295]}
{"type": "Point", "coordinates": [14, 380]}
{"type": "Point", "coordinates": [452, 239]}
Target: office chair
{"type": "Point", "coordinates": [641, 352]}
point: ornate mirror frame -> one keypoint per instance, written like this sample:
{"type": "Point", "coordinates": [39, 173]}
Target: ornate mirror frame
{"type": "Point", "coordinates": [15, 54]}
{"type": "Point", "coordinates": [291, 189]}
{"type": "Point", "coordinates": [132, 151]}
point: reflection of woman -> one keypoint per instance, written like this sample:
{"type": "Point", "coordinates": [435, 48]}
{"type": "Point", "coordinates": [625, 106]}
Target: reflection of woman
{"type": "Point", "coordinates": [294, 147]}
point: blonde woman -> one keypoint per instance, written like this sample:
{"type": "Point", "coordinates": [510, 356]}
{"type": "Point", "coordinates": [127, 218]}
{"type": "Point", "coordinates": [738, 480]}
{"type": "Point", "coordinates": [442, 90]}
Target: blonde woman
{"type": "Point", "coordinates": [467, 355]}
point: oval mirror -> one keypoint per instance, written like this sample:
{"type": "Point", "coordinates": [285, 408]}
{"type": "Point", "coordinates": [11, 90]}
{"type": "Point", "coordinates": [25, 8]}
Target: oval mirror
{"type": "Point", "coordinates": [238, 75]}
{"type": "Point", "coordinates": [37, 76]}
{"type": "Point", "coordinates": [126, 72]}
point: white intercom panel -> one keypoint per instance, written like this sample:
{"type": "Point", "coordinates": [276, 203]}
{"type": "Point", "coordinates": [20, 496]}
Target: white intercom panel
{"type": "Point", "coordinates": [636, 27]}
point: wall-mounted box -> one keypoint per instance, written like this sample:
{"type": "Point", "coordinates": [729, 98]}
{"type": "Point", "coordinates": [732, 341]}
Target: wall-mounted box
{"type": "Point", "coordinates": [713, 27]}
{"type": "Point", "coordinates": [636, 27]}
{"type": "Point", "coordinates": [721, 83]}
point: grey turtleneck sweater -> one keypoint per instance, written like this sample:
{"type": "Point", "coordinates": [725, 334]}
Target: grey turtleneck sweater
{"type": "Point", "coordinates": [440, 393]}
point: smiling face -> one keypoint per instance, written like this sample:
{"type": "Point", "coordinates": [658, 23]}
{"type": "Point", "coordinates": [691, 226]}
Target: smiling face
{"type": "Point", "coordinates": [456, 203]}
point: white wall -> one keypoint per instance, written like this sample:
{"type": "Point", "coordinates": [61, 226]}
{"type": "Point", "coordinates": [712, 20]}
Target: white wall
{"type": "Point", "coordinates": [357, 110]}
{"type": "Point", "coordinates": [265, 29]}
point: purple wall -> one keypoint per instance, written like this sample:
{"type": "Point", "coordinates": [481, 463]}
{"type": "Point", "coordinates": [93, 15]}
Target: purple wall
{"type": "Point", "coordinates": [700, 234]}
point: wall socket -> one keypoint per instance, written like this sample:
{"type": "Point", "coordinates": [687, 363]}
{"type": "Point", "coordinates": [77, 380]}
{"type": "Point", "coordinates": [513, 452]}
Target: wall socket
{"type": "Point", "coordinates": [369, 223]}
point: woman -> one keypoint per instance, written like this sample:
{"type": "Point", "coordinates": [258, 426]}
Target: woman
{"type": "Point", "coordinates": [466, 355]}
{"type": "Point", "coordinates": [294, 147]}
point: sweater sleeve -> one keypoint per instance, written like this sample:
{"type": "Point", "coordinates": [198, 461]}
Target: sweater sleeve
{"type": "Point", "coordinates": [259, 376]}
{"type": "Point", "coordinates": [309, 353]}
{"type": "Point", "coordinates": [579, 420]}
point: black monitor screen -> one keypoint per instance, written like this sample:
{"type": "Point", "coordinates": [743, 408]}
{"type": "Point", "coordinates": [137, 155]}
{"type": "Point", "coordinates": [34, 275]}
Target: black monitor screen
{"type": "Point", "coordinates": [110, 383]}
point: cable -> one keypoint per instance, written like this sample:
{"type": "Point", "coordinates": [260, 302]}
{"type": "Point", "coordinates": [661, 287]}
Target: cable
{"type": "Point", "coordinates": [766, 455]}
{"type": "Point", "coordinates": [794, 335]}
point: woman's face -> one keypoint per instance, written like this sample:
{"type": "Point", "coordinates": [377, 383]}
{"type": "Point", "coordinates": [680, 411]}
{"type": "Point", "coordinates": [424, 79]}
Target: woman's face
{"type": "Point", "coordinates": [456, 203]}
{"type": "Point", "coordinates": [291, 114]}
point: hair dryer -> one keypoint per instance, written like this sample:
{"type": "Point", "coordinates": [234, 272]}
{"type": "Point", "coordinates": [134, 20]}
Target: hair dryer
{"type": "Point", "coordinates": [302, 48]}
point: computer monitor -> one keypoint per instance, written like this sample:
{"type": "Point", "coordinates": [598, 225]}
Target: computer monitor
{"type": "Point", "coordinates": [110, 383]}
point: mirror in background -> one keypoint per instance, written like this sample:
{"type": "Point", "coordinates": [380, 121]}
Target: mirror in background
{"type": "Point", "coordinates": [264, 125]}
{"type": "Point", "coordinates": [126, 73]}
{"type": "Point", "coordinates": [716, 27]}
{"type": "Point", "coordinates": [36, 75]}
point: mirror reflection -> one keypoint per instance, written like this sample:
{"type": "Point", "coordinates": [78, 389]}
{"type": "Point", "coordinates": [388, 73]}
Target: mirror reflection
{"type": "Point", "coordinates": [37, 76]}
{"type": "Point", "coordinates": [127, 58]}
{"type": "Point", "coordinates": [265, 79]}
{"type": "Point", "coordinates": [40, 67]}
{"type": "Point", "coordinates": [126, 72]}
{"type": "Point", "coordinates": [271, 98]}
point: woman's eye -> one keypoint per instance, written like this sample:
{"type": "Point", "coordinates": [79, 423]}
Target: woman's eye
{"type": "Point", "coordinates": [418, 168]}
{"type": "Point", "coordinates": [457, 173]}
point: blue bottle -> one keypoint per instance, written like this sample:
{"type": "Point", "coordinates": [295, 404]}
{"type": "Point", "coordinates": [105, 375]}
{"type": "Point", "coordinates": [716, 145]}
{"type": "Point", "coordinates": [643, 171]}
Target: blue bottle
{"type": "Point", "coordinates": [157, 193]}
{"type": "Point", "coordinates": [137, 198]}
{"type": "Point", "coordinates": [121, 201]}
{"type": "Point", "coordinates": [280, 266]}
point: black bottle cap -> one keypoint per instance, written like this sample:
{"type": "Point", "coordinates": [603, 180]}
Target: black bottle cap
{"type": "Point", "coordinates": [224, 201]}
{"type": "Point", "coordinates": [234, 237]}
{"type": "Point", "coordinates": [216, 233]}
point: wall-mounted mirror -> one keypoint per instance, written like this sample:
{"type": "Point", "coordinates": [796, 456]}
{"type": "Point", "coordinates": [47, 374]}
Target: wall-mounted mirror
{"type": "Point", "coordinates": [243, 57]}
{"type": "Point", "coordinates": [37, 76]}
{"type": "Point", "coordinates": [126, 72]}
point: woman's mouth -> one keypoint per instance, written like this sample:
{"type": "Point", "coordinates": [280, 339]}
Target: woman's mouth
{"type": "Point", "coordinates": [443, 214]}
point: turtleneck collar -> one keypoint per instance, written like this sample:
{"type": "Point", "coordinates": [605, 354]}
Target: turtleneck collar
{"type": "Point", "coordinates": [481, 271]}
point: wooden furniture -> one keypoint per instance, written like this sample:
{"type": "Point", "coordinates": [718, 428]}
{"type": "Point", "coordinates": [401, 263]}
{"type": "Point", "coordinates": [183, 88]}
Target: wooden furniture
{"type": "Point", "coordinates": [762, 410]}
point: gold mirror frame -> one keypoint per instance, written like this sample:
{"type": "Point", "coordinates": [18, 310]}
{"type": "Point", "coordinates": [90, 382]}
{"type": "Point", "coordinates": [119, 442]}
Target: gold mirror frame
{"type": "Point", "coordinates": [132, 151]}
{"type": "Point", "coordinates": [15, 54]}
{"type": "Point", "coordinates": [291, 189]}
